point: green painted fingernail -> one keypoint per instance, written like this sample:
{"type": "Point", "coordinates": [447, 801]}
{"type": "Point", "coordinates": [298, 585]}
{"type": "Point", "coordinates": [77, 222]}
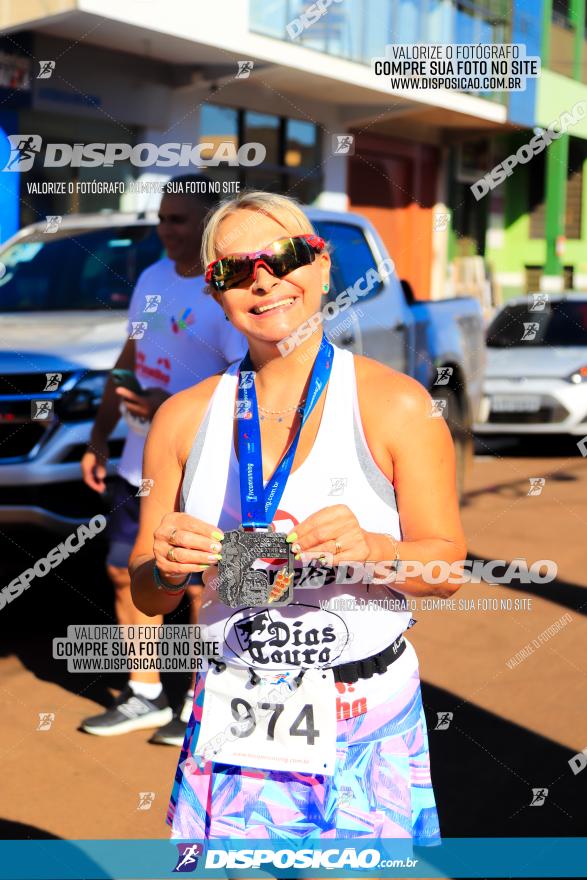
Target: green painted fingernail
{"type": "Point", "coordinates": [218, 535]}
{"type": "Point", "coordinates": [298, 556]}
{"type": "Point", "coordinates": [291, 538]}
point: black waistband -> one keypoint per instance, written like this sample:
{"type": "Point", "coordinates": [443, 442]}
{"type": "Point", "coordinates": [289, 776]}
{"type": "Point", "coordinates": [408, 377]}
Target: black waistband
{"type": "Point", "coordinates": [351, 672]}
{"type": "Point", "coordinates": [348, 673]}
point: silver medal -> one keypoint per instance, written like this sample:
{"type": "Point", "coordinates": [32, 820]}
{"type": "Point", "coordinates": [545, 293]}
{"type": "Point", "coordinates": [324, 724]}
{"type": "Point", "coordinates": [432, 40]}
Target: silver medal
{"type": "Point", "coordinates": [239, 583]}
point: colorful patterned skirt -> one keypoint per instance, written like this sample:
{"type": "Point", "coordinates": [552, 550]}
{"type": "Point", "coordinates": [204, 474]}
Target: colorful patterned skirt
{"type": "Point", "coordinates": [381, 787]}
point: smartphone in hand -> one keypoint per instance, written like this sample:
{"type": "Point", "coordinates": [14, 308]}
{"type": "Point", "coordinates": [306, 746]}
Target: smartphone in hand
{"type": "Point", "coordinates": [126, 379]}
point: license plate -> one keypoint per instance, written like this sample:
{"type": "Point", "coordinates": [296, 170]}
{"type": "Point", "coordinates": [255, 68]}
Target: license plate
{"type": "Point", "coordinates": [512, 403]}
{"type": "Point", "coordinates": [484, 409]}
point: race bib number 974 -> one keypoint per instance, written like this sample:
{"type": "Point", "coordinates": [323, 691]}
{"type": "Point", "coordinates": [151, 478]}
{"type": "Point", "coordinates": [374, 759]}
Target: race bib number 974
{"type": "Point", "coordinates": [273, 725]}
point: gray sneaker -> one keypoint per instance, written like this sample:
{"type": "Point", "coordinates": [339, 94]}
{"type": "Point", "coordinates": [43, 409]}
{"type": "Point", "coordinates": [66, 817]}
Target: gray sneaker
{"type": "Point", "coordinates": [130, 712]}
{"type": "Point", "coordinates": [173, 733]}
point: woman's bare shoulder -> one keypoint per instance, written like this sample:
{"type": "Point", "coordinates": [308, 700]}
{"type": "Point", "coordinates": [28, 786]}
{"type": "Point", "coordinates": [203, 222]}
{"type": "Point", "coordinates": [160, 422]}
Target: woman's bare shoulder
{"type": "Point", "coordinates": [182, 414]}
{"type": "Point", "coordinates": [396, 413]}
{"type": "Point", "coordinates": [378, 384]}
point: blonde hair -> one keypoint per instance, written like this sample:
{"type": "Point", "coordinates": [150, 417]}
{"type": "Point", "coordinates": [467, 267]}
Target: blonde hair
{"type": "Point", "coordinates": [283, 209]}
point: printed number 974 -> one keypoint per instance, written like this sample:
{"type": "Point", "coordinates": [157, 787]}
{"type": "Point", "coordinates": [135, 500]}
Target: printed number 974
{"type": "Point", "coordinates": [244, 713]}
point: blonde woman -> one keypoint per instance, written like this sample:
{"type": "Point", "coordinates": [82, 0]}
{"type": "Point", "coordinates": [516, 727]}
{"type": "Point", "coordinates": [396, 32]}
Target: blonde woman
{"type": "Point", "coordinates": [312, 723]}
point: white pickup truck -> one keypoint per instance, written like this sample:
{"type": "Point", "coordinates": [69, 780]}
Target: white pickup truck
{"type": "Point", "coordinates": [63, 301]}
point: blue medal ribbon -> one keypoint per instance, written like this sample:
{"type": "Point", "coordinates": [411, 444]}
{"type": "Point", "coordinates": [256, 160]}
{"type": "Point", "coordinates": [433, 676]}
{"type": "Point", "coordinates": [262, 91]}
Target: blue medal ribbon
{"type": "Point", "coordinates": [259, 503]}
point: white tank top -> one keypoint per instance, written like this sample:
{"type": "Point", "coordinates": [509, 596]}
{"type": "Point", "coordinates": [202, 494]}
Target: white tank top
{"type": "Point", "coordinates": [361, 619]}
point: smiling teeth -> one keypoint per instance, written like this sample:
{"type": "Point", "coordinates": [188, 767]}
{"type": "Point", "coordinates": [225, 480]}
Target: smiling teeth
{"type": "Point", "coordinates": [282, 302]}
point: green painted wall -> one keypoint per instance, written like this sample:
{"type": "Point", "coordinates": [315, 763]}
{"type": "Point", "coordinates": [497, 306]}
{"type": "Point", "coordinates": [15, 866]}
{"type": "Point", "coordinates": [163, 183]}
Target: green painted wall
{"type": "Point", "coordinates": [577, 16]}
{"type": "Point", "coordinates": [556, 94]}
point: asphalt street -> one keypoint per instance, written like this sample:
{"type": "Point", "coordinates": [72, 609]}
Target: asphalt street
{"type": "Point", "coordinates": [518, 712]}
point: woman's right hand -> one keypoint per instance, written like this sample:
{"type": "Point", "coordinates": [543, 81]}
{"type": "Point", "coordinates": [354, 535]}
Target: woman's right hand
{"type": "Point", "coordinates": [195, 545]}
{"type": "Point", "coordinates": [94, 463]}
{"type": "Point", "coordinates": [210, 577]}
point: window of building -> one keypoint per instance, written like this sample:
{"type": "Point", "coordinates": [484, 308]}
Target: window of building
{"type": "Point", "coordinates": [264, 129]}
{"type": "Point", "coordinates": [301, 144]}
{"type": "Point", "coordinates": [535, 273]}
{"type": "Point", "coordinates": [573, 195]}
{"type": "Point", "coordinates": [561, 12]}
{"type": "Point", "coordinates": [360, 29]}
{"type": "Point", "coordinates": [292, 164]}
{"type": "Point", "coordinates": [574, 202]}
{"type": "Point", "coordinates": [220, 125]}
{"type": "Point", "coordinates": [536, 196]}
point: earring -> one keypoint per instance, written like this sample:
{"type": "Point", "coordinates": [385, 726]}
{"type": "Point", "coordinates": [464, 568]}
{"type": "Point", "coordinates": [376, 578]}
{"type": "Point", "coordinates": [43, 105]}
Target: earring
{"type": "Point", "coordinates": [226, 318]}
{"type": "Point", "coordinates": [325, 288]}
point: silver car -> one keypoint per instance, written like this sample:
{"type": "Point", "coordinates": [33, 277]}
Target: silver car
{"type": "Point", "coordinates": [536, 374]}
{"type": "Point", "coordinates": [63, 303]}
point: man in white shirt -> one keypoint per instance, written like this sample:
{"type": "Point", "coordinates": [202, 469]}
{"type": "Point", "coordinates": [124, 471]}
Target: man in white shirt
{"type": "Point", "coordinates": [177, 336]}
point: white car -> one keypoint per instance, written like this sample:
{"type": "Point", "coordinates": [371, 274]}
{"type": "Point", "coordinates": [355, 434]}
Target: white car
{"type": "Point", "coordinates": [536, 374]}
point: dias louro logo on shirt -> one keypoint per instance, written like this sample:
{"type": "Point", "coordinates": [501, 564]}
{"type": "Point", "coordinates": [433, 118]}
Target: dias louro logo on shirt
{"type": "Point", "coordinates": [268, 639]}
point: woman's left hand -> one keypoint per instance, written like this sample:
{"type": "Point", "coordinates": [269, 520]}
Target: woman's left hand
{"type": "Point", "coordinates": [333, 532]}
{"type": "Point", "coordinates": [143, 405]}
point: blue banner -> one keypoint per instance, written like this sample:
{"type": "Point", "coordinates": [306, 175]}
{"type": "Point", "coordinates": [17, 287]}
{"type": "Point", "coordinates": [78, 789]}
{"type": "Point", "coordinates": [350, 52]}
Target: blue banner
{"type": "Point", "coordinates": [382, 858]}
{"type": "Point", "coordinates": [9, 180]}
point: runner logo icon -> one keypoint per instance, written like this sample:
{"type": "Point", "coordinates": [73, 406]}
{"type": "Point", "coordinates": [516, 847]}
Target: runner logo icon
{"type": "Point", "coordinates": [187, 857]}
{"type": "Point", "coordinates": [23, 149]}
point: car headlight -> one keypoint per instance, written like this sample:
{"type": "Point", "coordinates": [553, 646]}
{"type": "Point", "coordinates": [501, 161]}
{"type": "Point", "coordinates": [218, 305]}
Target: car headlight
{"type": "Point", "coordinates": [578, 376]}
{"type": "Point", "coordinates": [83, 400]}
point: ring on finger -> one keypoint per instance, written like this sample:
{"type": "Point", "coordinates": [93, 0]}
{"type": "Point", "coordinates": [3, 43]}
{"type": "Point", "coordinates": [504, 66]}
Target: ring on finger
{"type": "Point", "coordinates": [171, 555]}
{"type": "Point", "coordinates": [337, 548]}
{"type": "Point", "coordinates": [172, 534]}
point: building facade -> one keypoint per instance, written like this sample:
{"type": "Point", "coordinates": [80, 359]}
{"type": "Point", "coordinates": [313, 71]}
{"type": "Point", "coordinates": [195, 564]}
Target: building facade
{"type": "Point", "coordinates": [537, 234]}
{"type": "Point", "coordinates": [163, 73]}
